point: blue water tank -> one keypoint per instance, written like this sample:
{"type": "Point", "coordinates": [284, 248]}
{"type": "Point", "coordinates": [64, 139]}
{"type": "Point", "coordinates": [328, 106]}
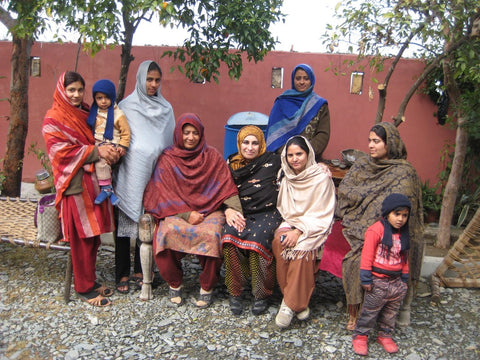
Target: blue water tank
{"type": "Point", "coordinates": [235, 123]}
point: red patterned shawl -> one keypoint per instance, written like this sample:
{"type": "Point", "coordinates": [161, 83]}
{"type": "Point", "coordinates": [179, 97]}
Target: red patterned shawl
{"type": "Point", "coordinates": [186, 180]}
{"type": "Point", "coordinates": [68, 138]}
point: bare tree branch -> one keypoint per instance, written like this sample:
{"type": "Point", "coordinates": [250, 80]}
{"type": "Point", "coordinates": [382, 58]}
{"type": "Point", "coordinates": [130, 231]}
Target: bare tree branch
{"type": "Point", "coordinates": [401, 111]}
{"type": "Point", "coordinates": [383, 88]}
{"type": "Point", "coordinates": [6, 19]}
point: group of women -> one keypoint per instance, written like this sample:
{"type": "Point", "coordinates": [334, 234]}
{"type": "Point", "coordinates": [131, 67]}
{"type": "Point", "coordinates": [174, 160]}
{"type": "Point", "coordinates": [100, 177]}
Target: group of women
{"type": "Point", "coordinates": [264, 214]}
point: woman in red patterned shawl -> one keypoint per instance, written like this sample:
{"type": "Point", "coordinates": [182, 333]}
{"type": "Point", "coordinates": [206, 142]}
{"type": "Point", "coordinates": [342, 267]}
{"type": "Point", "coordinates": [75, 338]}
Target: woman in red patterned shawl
{"type": "Point", "coordinates": [190, 186]}
{"type": "Point", "coordinates": [72, 153]}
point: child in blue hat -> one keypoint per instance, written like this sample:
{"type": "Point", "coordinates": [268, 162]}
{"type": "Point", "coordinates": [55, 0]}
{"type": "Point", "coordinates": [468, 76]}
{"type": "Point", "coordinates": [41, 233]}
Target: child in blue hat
{"type": "Point", "coordinates": [384, 274]}
{"type": "Point", "coordinates": [109, 125]}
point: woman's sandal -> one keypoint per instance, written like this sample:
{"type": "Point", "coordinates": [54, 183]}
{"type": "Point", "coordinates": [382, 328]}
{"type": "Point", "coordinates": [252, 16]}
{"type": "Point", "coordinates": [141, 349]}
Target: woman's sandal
{"type": "Point", "coordinates": [259, 306]}
{"type": "Point", "coordinates": [123, 287]}
{"type": "Point", "coordinates": [94, 299]}
{"type": "Point", "coordinates": [137, 281]}
{"type": "Point", "coordinates": [175, 296]}
{"type": "Point", "coordinates": [102, 290]}
{"type": "Point", "coordinates": [236, 306]}
{"type": "Point", "coordinates": [204, 300]}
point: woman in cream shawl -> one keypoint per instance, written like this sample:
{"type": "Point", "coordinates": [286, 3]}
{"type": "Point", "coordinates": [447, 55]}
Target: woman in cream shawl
{"type": "Point", "coordinates": [306, 201]}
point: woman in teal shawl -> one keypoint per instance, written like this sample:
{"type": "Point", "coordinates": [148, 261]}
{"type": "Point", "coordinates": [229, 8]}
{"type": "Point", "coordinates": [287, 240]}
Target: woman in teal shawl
{"type": "Point", "coordinates": [299, 111]}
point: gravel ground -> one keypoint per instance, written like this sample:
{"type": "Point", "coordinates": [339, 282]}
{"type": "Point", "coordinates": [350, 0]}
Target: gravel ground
{"type": "Point", "coordinates": [35, 323]}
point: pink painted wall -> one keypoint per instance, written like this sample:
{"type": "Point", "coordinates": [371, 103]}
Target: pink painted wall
{"type": "Point", "coordinates": [351, 115]}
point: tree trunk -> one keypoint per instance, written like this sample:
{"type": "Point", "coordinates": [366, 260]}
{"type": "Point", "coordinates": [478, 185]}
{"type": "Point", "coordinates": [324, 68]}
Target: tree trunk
{"type": "Point", "coordinates": [451, 189]}
{"type": "Point", "coordinates": [18, 124]}
{"type": "Point", "coordinates": [461, 139]}
{"type": "Point", "coordinates": [126, 59]}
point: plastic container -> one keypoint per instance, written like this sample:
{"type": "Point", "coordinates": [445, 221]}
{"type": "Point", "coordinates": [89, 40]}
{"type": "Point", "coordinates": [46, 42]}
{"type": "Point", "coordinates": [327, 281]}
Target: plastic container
{"type": "Point", "coordinates": [43, 182]}
{"type": "Point", "coordinates": [235, 123]}
{"type": "Point", "coordinates": [42, 174]}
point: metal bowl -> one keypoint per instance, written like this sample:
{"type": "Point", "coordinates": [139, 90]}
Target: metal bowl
{"type": "Point", "coordinates": [349, 156]}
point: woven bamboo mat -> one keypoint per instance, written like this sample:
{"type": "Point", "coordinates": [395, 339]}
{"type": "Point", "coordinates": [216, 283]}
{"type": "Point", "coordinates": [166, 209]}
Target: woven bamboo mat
{"type": "Point", "coordinates": [461, 265]}
{"type": "Point", "coordinates": [16, 220]}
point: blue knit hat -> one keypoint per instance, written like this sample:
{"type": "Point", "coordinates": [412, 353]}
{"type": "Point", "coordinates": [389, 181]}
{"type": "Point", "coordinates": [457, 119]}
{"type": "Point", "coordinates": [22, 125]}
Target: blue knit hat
{"type": "Point", "coordinates": [392, 202]}
{"type": "Point", "coordinates": [106, 87]}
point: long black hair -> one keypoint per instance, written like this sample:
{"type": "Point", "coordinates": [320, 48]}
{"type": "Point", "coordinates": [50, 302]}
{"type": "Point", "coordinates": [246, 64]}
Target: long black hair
{"type": "Point", "coordinates": [71, 77]}
{"type": "Point", "coordinates": [299, 141]}
{"type": "Point", "coordinates": [379, 130]}
{"type": "Point", "coordinates": [154, 66]}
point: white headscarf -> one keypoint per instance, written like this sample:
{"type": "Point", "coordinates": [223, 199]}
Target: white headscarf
{"type": "Point", "coordinates": [307, 202]}
{"type": "Point", "coordinates": [152, 123]}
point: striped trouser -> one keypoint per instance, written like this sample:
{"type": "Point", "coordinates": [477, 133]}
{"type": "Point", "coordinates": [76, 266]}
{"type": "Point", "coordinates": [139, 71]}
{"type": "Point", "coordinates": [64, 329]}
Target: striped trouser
{"type": "Point", "coordinates": [381, 304]}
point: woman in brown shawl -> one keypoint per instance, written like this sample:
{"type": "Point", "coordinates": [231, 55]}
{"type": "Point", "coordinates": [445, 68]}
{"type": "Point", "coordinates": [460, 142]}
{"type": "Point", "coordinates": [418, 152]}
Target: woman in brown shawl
{"type": "Point", "coordinates": [189, 186]}
{"type": "Point", "coordinates": [360, 196]}
{"type": "Point", "coordinates": [248, 253]}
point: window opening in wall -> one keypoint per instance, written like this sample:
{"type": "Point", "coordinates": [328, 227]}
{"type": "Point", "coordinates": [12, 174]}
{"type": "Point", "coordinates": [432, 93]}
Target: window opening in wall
{"type": "Point", "coordinates": [35, 66]}
{"type": "Point", "coordinates": [277, 78]}
{"type": "Point", "coordinates": [356, 83]}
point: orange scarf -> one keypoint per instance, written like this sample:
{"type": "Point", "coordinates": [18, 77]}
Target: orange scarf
{"type": "Point", "coordinates": [68, 138]}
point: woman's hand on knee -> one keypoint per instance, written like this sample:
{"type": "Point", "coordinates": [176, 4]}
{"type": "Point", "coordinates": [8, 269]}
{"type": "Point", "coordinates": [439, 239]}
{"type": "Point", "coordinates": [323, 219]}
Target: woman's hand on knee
{"type": "Point", "coordinates": [290, 238]}
{"type": "Point", "coordinates": [195, 218]}
{"type": "Point", "coordinates": [235, 219]}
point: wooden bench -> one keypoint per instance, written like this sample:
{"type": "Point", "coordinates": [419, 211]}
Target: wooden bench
{"type": "Point", "coordinates": [17, 228]}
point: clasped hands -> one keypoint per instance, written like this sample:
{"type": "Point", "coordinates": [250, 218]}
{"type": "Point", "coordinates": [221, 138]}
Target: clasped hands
{"type": "Point", "coordinates": [109, 153]}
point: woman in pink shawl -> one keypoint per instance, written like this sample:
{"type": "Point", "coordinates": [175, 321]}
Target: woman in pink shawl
{"type": "Point", "coordinates": [190, 186]}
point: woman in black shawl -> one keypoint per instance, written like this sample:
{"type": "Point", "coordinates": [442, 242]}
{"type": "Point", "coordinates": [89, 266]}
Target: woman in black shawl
{"type": "Point", "coordinates": [247, 250]}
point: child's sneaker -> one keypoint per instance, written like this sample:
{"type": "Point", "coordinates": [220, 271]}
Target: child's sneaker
{"type": "Point", "coordinates": [114, 199]}
{"type": "Point", "coordinates": [104, 194]}
{"type": "Point", "coordinates": [360, 345]}
{"type": "Point", "coordinates": [388, 344]}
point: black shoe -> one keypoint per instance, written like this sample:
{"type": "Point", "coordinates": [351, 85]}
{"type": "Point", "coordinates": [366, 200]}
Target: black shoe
{"type": "Point", "coordinates": [236, 305]}
{"type": "Point", "coordinates": [259, 306]}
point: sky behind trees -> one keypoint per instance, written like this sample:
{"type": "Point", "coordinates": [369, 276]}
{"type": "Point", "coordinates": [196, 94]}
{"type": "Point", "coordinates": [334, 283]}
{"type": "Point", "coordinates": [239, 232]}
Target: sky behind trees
{"type": "Point", "coordinates": [305, 22]}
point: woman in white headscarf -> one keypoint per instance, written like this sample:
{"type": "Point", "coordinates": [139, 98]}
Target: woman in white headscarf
{"type": "Point", "coordinates": [152, 122]}
{"type": "Point", "coordinates": [306, 201]}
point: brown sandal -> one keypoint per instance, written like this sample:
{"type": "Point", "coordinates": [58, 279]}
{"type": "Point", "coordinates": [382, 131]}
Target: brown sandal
{"type": "Point", "coordinates": [204, 300]}
{"type": "Point", "coordinates": [94, 299]}
{"type": "Point", "coordinates": [102, 290]}
{"type": "Point", "coordinates": [175, 296]}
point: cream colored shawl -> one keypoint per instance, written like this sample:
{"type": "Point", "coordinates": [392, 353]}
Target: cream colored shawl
{"type": "Point", "coordinates": [307, 202]}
